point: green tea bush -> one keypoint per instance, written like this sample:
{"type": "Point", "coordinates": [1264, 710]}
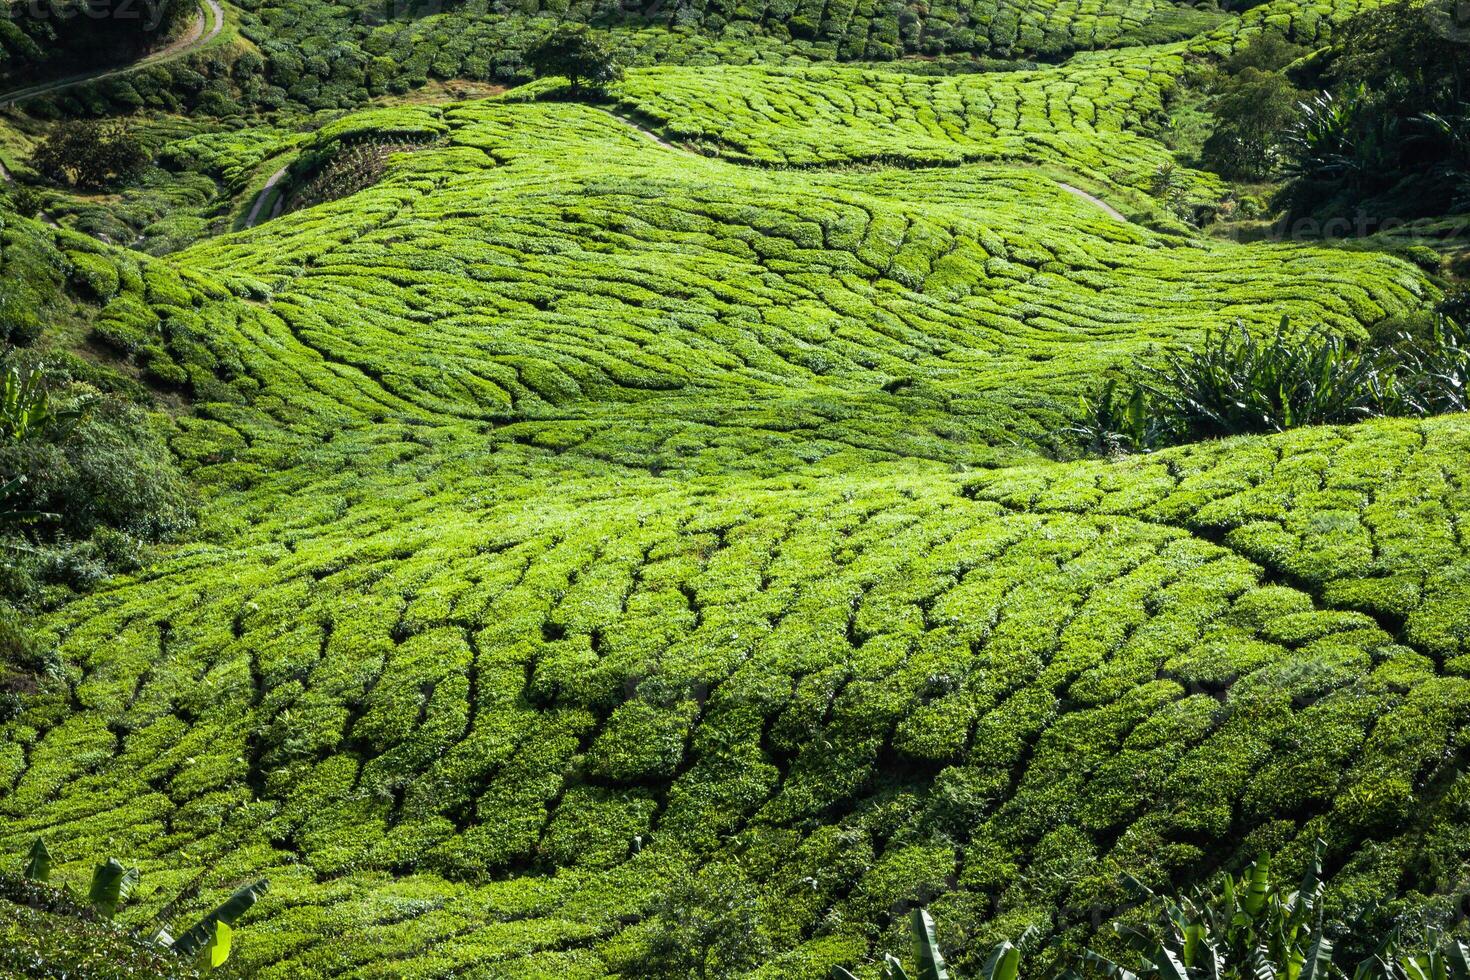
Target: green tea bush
{"type": "Point", "coordinates": [613, 560]}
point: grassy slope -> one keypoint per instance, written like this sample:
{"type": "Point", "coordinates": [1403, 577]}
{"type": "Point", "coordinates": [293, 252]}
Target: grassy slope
{"type": "Point", "coordinates": [565, 489]}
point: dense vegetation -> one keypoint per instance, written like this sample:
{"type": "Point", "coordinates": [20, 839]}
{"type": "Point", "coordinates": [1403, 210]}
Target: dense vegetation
{"type": "Point", "coordinates": [642, 524]}
{"type": "Point", "coordinates": [49, 38]}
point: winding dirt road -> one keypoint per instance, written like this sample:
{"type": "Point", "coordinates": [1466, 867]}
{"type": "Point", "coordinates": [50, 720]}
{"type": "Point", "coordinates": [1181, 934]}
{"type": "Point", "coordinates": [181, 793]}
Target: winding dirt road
{"type": "Point", "coordinates": [1107, 208]}
{"type": "Point", "coordinates": [253, 218]}
{"type": "Point", "coordinates": [206, 28]}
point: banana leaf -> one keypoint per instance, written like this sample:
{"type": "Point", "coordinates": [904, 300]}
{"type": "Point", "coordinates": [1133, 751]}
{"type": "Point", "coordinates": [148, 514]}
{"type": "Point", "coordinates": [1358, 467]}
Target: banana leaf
{"type": "Point", "coordinates": [38, 862]}
{"type": "Point", "coordinates": [217, 949]}
{"type": "Point", "coordinates": [1004, 963]}
{"type": "Point", "coordinates": [1258, 886]}
{"type": "Point", "coordinates": [1107, 967]}
{"type": "Point", "coordinates": [1457, 961]}
{"type": "Point", "coordinates": [927, 957]}
{"type": "Point", "coordinates": [1167, 964]}
{"type": "Point", "coordinates": [203, 932]}
{"type": "Point", "coordinates": [111, 885]}
{"type": "Point", "coordinates": [1318, 965]}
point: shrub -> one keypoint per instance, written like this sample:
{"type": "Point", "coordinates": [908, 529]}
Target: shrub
{"type": "Point", "coordinates": [710, 924]}
{"type": "Point", "coordinates": [207, 942]}
{"type": "Point", "coordinates": [1323, 143]}
{"type": "Point", "coordinates": [1235, 383]}
{"type": "Point", "coordinates": [94, 461]}
{"type": "Point", "coordinates": [26, 201]}
{"type": "Point", "coordinates": [1437, 368]}
{"type": "Point", "coordinates": [1120, 420]}
{"type": "Point", "coordinates": [352, 169]}
{"type": "Point", "coordinates": [26, 409]}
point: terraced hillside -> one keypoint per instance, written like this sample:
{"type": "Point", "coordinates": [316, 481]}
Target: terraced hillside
{"type": "Point", "coordinates": [631, 543]}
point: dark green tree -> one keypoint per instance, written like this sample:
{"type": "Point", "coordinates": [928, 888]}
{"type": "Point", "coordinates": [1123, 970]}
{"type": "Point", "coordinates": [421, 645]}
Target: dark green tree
{"type": "Point", "coordinates": [578, 54]}
{"type": "Point", "coordinates": [90, 154]}
{"type": "Point", "coordinates": [1255, 109]}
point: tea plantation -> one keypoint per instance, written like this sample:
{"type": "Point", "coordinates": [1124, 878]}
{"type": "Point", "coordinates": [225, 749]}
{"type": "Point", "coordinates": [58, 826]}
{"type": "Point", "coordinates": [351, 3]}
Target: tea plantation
{"type": "Point", "coordinates": [634, 538]}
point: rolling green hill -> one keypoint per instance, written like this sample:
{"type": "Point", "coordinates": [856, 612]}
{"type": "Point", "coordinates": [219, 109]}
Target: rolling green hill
{"type": "Point", "coordinates": [620, 518]}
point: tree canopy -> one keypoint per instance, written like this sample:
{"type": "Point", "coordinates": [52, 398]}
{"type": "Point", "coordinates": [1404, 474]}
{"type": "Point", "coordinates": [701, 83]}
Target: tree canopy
{"type": "Point", "coordinates": [576, 53]}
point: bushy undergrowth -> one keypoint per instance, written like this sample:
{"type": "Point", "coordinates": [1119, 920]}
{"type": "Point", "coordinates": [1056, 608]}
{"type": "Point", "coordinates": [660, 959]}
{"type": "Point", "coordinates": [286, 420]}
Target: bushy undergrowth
{"type": "Point", "coordinates": [1391, 132]}
{"type": "Point", "coordinates": [41, 40]}
{"type": "Point", "coordinates": [55, 945]}
{"type": "Point", "coordinates": [89, 476]}
{"type": "Point", "coordinates": [1252, 926]}
{"type": "Point", "coordinates": [87, 481]}
{"type": "Point", "coordinates": [1236, 383]}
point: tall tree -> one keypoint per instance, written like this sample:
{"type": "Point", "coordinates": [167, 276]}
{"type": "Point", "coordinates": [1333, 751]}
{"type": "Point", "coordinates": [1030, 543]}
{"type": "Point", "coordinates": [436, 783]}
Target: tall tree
{"type": "Point", "coordinates": [576, 53]}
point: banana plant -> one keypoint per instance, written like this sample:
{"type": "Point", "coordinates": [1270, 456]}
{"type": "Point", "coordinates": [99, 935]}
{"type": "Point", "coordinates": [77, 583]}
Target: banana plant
{"type": "Point", "coordinates": [25, 406]}
{"type": "Point", "coordinates": [1435, 959]}
{"type": "Point", "coordinates": [1253, 927]}
{"type": "Point", "coordinates": [111, 885]}
{"type": "Point", "coordinates": [216, 949]}
{"type": "Point", "coordinates": [1003, 963]}
{"type": "Point", "coordinates": [205, 934]}
{"type": "Point", "coordinates": [926, 946]}
{"type": "Point", "coordinates": [10, 517]}
{"type": "Point", "coordinates": [38, 862]}
{"type": "Point", "coordinates": [207, 942]}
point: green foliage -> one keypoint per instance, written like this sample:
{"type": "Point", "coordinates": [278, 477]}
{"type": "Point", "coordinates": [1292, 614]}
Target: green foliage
{"type": "Point", "coordinates": [616, 561]}
{"type": "Point", "coordinates": [53, 39]}
{"type": "Point", "coordinates": [38, 863]}
{"type": "Point", "coordinates": [1323, 145]}
{"type": "Point", "coordinates": [1397, 133]}
{"type": "Point", "coordinates": [208, 941]}
{"type": "Point", "coordinates": [930, 961]}
{"type": "Point", "coordinates": [112, 883]}
{"type": "Point", "coordinates": [40, 939]}
{"type": "Point", "coordinates": [1236, 383]}
{"type": "Point", "coordinates": [710, 925]}
{"type": "Point", "coordinates": [1436, 367]}
{"type": "Point", "coordinates": [577, 54]}
{"type": "Point", "coordinates": [1255, 109]}
{"type": "Point", "coordinates": [26, 409]}
{"type": "Point", "coordinates": [210, 936]}
{"type": "Point", "coordinates": [1120, 419]}
{"type": "Point", "coordinates": [351, 169]}
{"type": "Point", "coordinates": [96, 462]}
{"type": "Point", "coordinates": [1251, 927]}
{"type": "Point", "coordinates": [90, 155]}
